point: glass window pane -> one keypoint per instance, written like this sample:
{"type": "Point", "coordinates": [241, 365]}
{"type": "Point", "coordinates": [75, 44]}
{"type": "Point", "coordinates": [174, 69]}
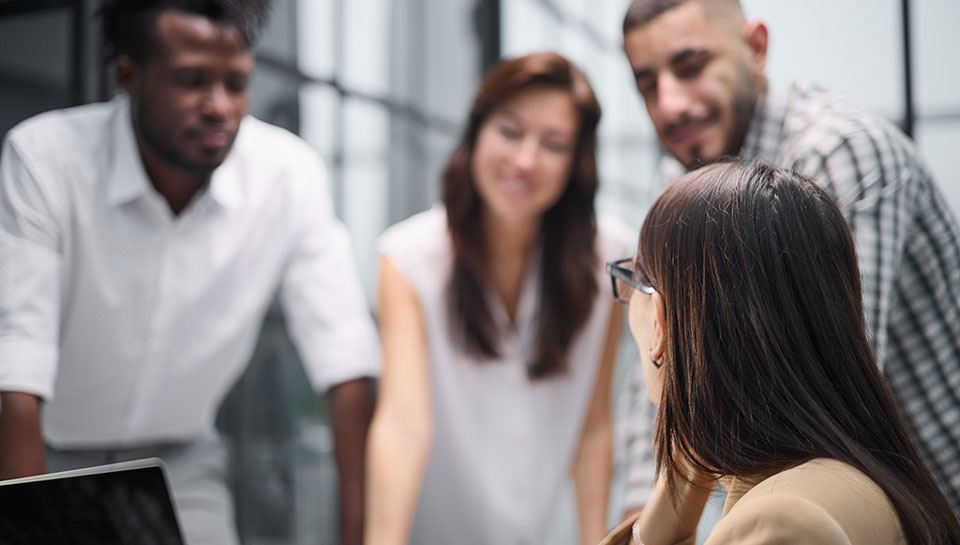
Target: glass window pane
{"type": "Point", "coordinates": [318, 108]}
{"type": "Point", "coordinates": [273, 97]}
{"type": "Point", "coordinates": [840, 45]}
{"type": "Point", "coordinates": [365, 32]}
{"type": "Point", "coordinates": [365, 177]}
{"type": "Point", "coordinates": [524, 27]}
{"type": "Point", "coordinates": [938, 141]}
{"type": "Point", "coordinates": [315, 37]}
{"type": "Point", "coordinates": [576, 46]}
{"type": "Point", "coordinates": [936, 43]}
{"type": "Point", "coordinates": [34, 73]}
{"type": "Point", "coordinates": [451, 60]}
{"type": "Point", "coordinates": [279, 38]}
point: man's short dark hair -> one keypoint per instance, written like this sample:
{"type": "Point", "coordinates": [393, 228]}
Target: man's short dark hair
{"type": "Point", "coordinates": [128, 24]}
{"type": "Point", "coordinates": [642, 12]}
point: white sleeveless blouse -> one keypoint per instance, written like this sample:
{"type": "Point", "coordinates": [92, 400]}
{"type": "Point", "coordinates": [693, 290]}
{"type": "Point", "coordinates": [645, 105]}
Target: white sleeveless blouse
{"type": "Point", "coordinates": [503, 444]}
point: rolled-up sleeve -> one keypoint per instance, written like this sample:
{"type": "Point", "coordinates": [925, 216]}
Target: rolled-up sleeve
{"type": "Point", "coordinates": [30, 262]}
{"type": "Point", "coordinates": [326, 309]}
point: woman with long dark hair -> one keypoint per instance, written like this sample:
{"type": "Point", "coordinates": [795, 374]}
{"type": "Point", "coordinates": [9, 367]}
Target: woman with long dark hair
{"type": "Point", "coordinates": [498, 344]}
{"type": "Point", "coordinates": [744, 299]}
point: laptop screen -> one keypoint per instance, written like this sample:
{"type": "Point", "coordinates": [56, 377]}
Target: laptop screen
{"type": "Point", "coordinates": [125, 503]}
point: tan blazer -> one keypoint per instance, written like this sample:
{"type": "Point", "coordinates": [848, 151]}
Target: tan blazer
{"type": "Point", "coordinates": [823, 501]}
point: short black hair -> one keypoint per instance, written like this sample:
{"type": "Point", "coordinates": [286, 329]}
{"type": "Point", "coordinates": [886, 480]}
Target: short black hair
{"type": "Point", "coordinates": [127, 25]}
{"type": "Point", "coordinates": [641, 12]}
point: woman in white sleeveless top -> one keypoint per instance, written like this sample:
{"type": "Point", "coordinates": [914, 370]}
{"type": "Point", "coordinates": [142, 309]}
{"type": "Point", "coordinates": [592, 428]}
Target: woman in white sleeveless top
{"type": "Point", "coordinates": [498, 341]}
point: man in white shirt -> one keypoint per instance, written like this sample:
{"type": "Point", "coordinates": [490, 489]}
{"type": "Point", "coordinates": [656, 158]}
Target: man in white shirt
{"type": "Point", "coordinates": [141, 242]}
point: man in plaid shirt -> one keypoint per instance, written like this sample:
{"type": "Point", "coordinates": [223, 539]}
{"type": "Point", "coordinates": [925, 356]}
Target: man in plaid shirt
{"type": "Point", "coordinates": [699, 67]}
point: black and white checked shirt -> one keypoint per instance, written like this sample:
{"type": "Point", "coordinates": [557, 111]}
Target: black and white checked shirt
{"type": "Point", "coordinates": [908, 246]}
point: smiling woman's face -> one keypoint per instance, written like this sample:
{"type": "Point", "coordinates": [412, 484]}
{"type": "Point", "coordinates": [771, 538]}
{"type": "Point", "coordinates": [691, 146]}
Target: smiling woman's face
{"type": "Point", "coordinates": [523, 155]}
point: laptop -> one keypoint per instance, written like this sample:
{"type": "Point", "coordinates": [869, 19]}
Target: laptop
{"type": "Point", "coordinates": [116, 504]}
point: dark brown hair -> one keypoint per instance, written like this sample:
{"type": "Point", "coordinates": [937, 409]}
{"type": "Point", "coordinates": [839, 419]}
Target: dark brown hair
{"type": "Point", "coordinates": [641, 12]}
{"type": "Point", "coordinates": [568, 260]}
{"type": "Point", "coordinates": [766, 363]}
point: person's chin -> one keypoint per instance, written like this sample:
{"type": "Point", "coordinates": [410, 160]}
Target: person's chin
{"type": "Point", "coordinates": [701, 155]}
{"type": "Point", "coordinates": [212, 157]}
{"type": "Point", "coordinates": [688, 158]}
{"type": "Point", "coordinates": [688, 154]}
{"type": "Point", "coordinates": [514, 212]}
{"type": "Point", "coordinates": [202, 165]}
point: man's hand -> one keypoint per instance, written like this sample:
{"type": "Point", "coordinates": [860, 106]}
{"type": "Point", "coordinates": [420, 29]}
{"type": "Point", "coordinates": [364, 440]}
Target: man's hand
{"type": "Point", "coordinates": [351, 407]}
{"type": "Point", "coordinates": [21, 441]}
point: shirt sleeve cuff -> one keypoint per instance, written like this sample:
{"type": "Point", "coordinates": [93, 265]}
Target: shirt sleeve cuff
{"type": "Point", "coordinates": [29, 368]}
{"type": "Point", "coordinates": [340, 358]}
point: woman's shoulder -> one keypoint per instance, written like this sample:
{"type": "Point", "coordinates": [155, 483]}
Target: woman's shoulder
{"type": "Point", "coordinates": [419, 242]}
{"type": "Point", "coordinates": [824, 480]}
{"type": "Point", "coordinates": [820, 501]}
{"type": "Point", "coordinates": [429, 223]}
{"type": "Point", "coordinates": [427, 229]}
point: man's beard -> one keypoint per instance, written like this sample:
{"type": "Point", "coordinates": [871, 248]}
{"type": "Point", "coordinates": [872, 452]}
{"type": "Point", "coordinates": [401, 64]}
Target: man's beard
{"type": "Point", "coordinates": [167, 152]}
{"type": "Point", "coordinates": [741, 114]}
{"type": "Point", "coordinates": [741, 110]}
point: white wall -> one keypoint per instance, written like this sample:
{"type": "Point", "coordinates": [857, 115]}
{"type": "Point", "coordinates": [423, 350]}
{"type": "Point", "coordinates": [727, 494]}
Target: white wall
{"type": "Point", "coordinates": [856, 48]}
{"type": "Point", "coordinates": [937, 89]}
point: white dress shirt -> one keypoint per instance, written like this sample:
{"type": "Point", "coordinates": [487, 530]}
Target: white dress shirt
{"type": "Point", "coordinates": [133, 323]}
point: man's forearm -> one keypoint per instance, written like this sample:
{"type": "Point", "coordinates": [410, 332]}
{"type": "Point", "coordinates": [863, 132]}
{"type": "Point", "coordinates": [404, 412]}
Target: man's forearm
{"type": "Point", "coordinates": [351, 406]}
{"type": "Point", "coordinates": [21, 441]}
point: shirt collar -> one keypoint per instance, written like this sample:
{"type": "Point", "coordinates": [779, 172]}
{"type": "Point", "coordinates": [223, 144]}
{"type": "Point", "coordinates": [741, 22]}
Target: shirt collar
{"type": "Point", "coordinates": [225, 184]}
{"type": "Point", "coordinates": [128, 179]}
{"type": "Point", "coordinates": [764, 135]}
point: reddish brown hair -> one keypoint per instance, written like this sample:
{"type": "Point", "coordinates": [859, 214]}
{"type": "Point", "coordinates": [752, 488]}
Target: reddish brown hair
{"type": "Point", "coordinates": [568, 260]}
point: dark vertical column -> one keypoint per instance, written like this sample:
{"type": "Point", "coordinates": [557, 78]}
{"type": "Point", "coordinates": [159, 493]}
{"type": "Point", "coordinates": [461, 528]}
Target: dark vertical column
{"type": "Point", "coordinates": [338, 160]}
{"type": "Point", "coordinates": [409, 36]}
{"type": "Point", "coordinates": [487, 24]}
{"type": "Point", "coordinates": [77, 71]}
{"type": "Point", "coordinates": [909, 116]}
{"type": "Point", "coordinates": [78, 53]}
{"type": "Point", "coordinates": [292, 15]}
{"type": "Point", "coordinates": [105, 72]}
{"type": "Point", "coordinates": [415, 180]}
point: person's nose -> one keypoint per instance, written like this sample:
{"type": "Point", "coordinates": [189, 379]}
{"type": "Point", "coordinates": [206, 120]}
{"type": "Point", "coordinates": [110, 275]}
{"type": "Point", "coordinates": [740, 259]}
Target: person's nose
{"type": "Point", "coordinates": [216, 102]}
{"type": "Point", "coordinates": [525, 156]}
{"type": "Point", "coordinates": [674, 101]}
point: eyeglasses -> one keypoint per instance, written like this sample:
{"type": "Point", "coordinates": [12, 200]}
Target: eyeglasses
{"type": "Point", "coordinates": [625, 278]}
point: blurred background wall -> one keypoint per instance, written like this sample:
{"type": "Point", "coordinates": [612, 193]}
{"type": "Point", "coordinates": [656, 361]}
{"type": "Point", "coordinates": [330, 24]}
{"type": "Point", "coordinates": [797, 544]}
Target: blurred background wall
{"type": "Point", "coordinates": [381, 89]}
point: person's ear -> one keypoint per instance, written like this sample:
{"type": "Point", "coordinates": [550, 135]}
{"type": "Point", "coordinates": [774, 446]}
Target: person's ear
{"type": "Point", "coordinates": [755, 36]}
{"type": "Point", "coordinates": [659, 323]}
{"type": "Point", "coordinates": [127, 73]}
